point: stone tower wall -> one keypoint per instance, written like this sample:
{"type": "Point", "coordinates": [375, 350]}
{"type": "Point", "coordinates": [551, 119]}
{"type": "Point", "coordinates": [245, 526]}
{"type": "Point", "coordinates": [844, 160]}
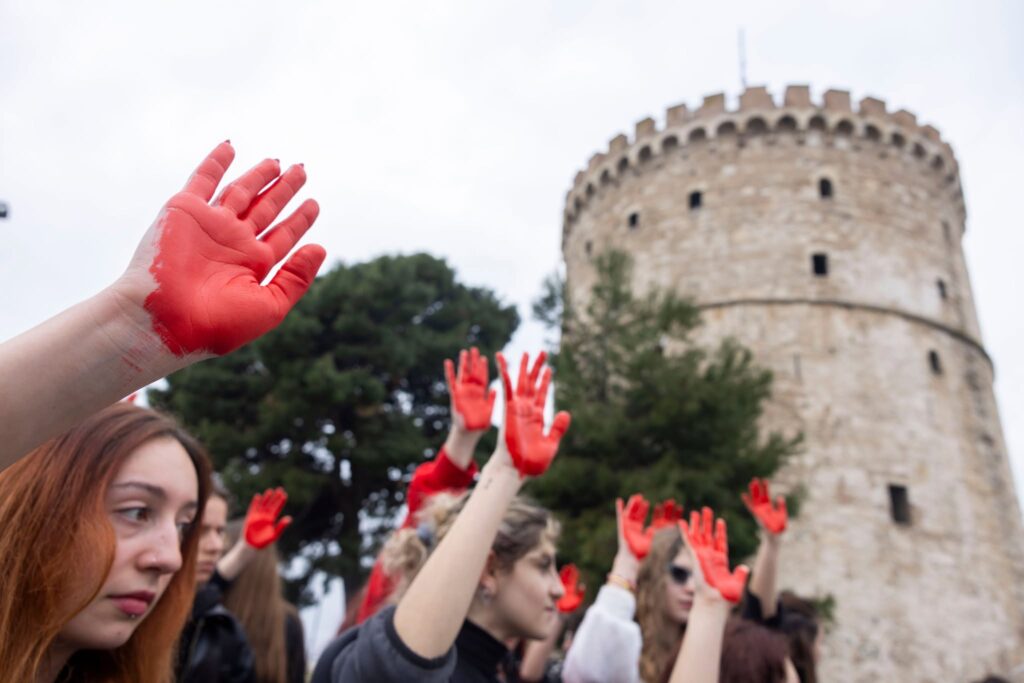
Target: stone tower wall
{"type": "Point", "coordinates": [879, 362]}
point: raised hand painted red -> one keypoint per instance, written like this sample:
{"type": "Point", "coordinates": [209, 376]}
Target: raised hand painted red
{"type": "Point", "coordinates": [574, 592]}
{"type": "Point", "coordinates": [712, 552]}
{"type": "Point", "coordinates": [473, 402]}
{"type": "Point", "coordinates": [666, 513]}
{"type": "Point", "coordinates": [634, 517]}
{"type": "Point", "coordinates": [260, 527]}
{"type": "Point", "coordinates": [759, 502]}
{"type": "Point", "coordinates": [211, 259]}
{"type": "Point", "coordinates": [530, 449]}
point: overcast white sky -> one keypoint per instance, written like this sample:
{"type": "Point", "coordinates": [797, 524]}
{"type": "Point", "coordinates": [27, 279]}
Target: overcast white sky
{"type": "Point", "coordinates": [456, 127]}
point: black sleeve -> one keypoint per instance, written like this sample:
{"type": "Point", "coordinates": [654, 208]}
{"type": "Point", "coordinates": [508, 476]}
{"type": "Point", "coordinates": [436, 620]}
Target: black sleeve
{"type": "Point", "coordinates": [373, 651]}
{"type": "Point", "coordinates": [220, 582]}
{"type": "Point", "coordinates": [240, 664]}
{"type": "Point", "coordinates": [751, 610]}
{"type": "Point", "coordinates": [295, 646]}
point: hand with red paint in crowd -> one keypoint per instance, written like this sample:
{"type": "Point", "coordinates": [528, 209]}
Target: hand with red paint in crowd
{"type": "Point", "coordinates": [717, 589]}
{"type": "Point", "coordinates": [262, 526]}
{"type": "Point", "coordinates": [633, 517]}
{"type": "Point", "coordinates": [199, 273]}
{"type": "Point", "coordinates": [771, 518]}
{"type": "Point", "coordinates": [708, 540]}
{"type": "Point", "coordinates": [522, 432]}
{"type": "Point", "coordinates": [472, 401]}
{"type": "Point", "coordinates": [574, 591]}
{"type": "Point", "coordinates": [194, 288]}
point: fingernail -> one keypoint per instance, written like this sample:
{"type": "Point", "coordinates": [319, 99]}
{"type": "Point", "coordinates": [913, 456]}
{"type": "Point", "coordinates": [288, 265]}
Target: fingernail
{"type": "Point", "coordinates": [228, 142]}
{"type": "Point", "coordinates": [277, 160]}
{"type": "Point", "coordinates": [301, 165]}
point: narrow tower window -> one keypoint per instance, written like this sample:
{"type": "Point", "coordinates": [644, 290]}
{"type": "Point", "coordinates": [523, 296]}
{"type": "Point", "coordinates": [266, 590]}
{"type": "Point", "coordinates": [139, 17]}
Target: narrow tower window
{"type": "Point", "coordinates": [695, 200]}
{"type": "Point", "coordinates": [934, 362]}
{"type": "Point", "coordinates": [634, 220]}
{"type": "Point", "coordinates": [946, 231]}
{"type": "Point", "coordinates": [825, 188]}
{"type": "Point", "coordinates": [819, 264]}
{"type": "Point", "coordinates": [942, 288]}
{"type": "Point", "coordinates": [589, 246]}
{"type": "Point", "coordinates": [899, 504]}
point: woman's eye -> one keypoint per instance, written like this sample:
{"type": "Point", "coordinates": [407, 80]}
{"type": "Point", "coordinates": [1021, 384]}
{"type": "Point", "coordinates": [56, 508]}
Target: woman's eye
{"type": "Point", "coordinates": [183, 529]}
{"type": "Point", "coordinates": [136, 514]}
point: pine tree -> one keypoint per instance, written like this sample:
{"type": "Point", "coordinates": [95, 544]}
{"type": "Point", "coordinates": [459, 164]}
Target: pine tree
{"type": "Point", "coordinates": [340, 402]}
{"type": "Point", "coordinates": [652, 413]}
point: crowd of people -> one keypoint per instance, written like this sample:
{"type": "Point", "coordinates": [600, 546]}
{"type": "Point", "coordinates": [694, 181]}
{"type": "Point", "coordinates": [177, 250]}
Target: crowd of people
{"type": "Point", "coordinates": [121, 562]}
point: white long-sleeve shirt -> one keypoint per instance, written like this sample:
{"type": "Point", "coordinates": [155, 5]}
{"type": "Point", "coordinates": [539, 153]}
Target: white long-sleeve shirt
{"type": "Point", "coordinates": [606, 646]}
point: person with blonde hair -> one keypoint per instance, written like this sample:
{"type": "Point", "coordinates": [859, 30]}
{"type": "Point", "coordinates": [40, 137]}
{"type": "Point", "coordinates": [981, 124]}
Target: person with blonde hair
{"type": "Point", "coordinates": [489, 577]}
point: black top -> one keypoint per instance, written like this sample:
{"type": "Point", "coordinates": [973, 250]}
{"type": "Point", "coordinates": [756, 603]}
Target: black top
{"type": "Point", "coordinates": [213, 647]}
{"type": "Point", "coordinates": [373, 651]}
{"type": "Point", "coordinates": [295, 646]}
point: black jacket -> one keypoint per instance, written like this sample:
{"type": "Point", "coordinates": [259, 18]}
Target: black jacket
{"type": "Point", "coordinates": [213, 647]}
{"type": "Point", "coordinates": [374, 652]}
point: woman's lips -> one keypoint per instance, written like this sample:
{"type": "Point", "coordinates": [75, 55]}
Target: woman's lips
{"type": "Point", "coordinates": [134, 604]}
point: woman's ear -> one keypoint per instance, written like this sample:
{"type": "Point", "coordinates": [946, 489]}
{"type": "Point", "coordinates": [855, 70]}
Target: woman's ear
{"type": "Point", "coordinates": [488, 587]}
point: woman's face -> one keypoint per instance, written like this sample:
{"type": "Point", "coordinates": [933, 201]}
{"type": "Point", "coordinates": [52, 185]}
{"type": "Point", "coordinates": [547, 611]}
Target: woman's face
{"type": "Point", "coordinates": [211, 538]}
{"type": "Point", "coordinates": [679, 587]}
{"type": "Point", "coordinates": [151, 502]}
{"type": "Point", "coordinates": [526, 594]}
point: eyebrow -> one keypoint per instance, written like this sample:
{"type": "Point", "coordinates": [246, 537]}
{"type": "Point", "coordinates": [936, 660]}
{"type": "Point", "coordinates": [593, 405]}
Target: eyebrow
{"type": "Point", "coordinates": [153, 490]}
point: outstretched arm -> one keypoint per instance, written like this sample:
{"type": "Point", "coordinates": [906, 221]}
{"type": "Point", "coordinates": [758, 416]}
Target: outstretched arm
{"type": "Point", "coordinates": [261, 529]}
{"type": "Point", "coordinates": [430, 614]}
{"type": "Point", "coordinates": [772, 520]}
{"type": "Point", "coordinates": [192, 290]}
{"type": "Point", "coordinates": [717, 589]}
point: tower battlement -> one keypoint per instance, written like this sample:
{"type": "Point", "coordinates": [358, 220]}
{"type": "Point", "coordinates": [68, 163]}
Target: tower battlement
{"type": "Point", "coordinates": [868, 127]}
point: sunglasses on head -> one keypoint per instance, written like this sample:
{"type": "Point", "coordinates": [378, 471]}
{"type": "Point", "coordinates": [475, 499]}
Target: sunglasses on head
{"type": "Point", "coordinates": [679, 575]}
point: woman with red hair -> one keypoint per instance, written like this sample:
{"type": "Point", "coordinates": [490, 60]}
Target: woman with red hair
{"type": "Point", "coordinates": [97, 524]}
{"type": "Point", "coordinates": [98, 542]}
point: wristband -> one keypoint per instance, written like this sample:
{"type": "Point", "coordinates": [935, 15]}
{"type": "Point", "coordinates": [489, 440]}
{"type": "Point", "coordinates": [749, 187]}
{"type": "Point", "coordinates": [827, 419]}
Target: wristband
{"type": "Point", "coordinates": [621, 582]}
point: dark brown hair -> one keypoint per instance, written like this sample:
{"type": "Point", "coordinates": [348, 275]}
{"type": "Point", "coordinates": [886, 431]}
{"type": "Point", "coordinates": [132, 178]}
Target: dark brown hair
{"type": "Point", "coordinates": [752, 654]}
{"type": "Point", "coordinates": [800, 625]}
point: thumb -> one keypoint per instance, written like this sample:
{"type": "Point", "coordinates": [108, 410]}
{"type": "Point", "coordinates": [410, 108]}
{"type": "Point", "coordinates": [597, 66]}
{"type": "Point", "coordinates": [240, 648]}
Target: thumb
{"type": "Point", "coordinates": [559, 426]}
{"type": "Point", "coordinates": [282, 524]}
{"type": "Point", "coordinates": [296, 275]}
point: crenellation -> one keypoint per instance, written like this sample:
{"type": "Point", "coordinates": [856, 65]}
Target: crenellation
{"type": "Point", "coordinates": [756, 98]}
{"type": "Point", "coordinates": [905, 119]}
{"type": "Point", "coordinates": [871, 106]}
{"type": "Point", "coordinates": [837, 100]}
{"type": "Point", "coordinates": [798, 96]}
{"type": "Point", "coordinates": [931, 132]}
{"type": "Point", "coordinates": [798, 113]}
{"type": "Point", "coordinates": [713, 105]}
{"type": "Point", "coordinates": [677, 115]}
{"type": "Point", "coordinates": [646, 128]}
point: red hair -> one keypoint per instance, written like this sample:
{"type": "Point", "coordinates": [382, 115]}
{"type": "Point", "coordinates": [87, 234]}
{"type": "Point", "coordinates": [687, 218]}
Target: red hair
{"type": "Point", "coordinates": [58, 546]}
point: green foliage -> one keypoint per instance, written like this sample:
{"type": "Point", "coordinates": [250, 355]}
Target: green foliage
{"type": "Point", "coordinates": [340, 402]}
{"type": "Point", "coordinates": [651, 413]}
